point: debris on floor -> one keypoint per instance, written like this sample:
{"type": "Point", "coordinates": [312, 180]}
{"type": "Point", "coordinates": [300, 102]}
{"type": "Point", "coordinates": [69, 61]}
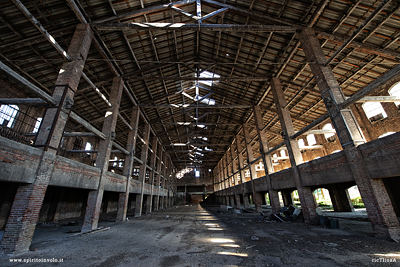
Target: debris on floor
{"type": "Point", "coordinates": [288, 214]}
{"type": "Point", "coordinates": [229, 209]}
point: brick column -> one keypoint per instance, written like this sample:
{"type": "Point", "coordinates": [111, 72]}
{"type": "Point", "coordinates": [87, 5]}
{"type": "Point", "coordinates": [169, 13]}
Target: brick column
{"type": "Point", "coordinates": [157, 197]}
{"type": "Point", "coordinates": [267, 161]}
{"type": "Point", "coordinates": [237, 200]}
{"type": "Point", "coordinates": [103, 156]}
{"type": "Point", "coordinates": [142, 170]}
{"type": "Point", "coordinates": [241, 169]}
{"type": "Point", "coordinates": [234, 166]}
{"type": "Point", "coordinates": [305, 193]}
{"type": "Point", "coordinates": [154, 144]}
{"type": "Point", "coordinates": [225, 173]}
{"type": "Point", "coordinates": [375, 197]}
{"type": "Point", "coordinates": [218, 173]}
{"type": "Point", "coordinates": [28, 200]}
{"type": "Point", "coordinates": [128, 165]}
{"type": "Point", "coordinates": [252, 167]}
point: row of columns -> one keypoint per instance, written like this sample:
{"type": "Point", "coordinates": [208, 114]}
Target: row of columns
{"type": "Point", "coordinates": [376, 199]}
{"type": "Point", "coordinates": [29, 198]}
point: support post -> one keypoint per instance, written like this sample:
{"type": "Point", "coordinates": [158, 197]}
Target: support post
{"type": "Point", "coordinates": [154, 144]}
{"type": "Point", "coordinates": [157, 197]}
{"type": "Point", "coordinates": [29, 198]}
{"type": "Point", "coordinates": [305, 194]}
{"type": "Point", "coordinates": [375, 197]}
{"type": "Point", "coordinates": [241, 169]}
{"type": "Point", "coordinates": [267, 161]}
{"type": "Point", "coordinates": [128, 165]}
{"type": "Point", "coordinates": [253, 173]}
{"type": "Point", "coordinates": [142, 170]}
{"type": "Point", "coordinates": [95, 197]}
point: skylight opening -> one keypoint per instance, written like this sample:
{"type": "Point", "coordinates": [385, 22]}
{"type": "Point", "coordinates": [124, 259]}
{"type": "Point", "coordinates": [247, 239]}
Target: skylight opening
{"type": "Point", "coordinates": [207, 74]}
{"type": "Point", "coordinates": [181, 173]}
{"type": "Point", "coordinates": [207, 101]}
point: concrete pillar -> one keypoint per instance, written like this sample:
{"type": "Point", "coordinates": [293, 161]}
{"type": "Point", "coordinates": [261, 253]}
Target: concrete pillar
{"type": "Point", "coordinates": [246, 202]}
{"type": "Point", "coordinates": [154, 144]}
{"type": "Point", "coordinates": [232, 201]}
{"type": "Point", "coordinates": [225, 172]}
{"type": "Point", "coordinates": [237, 200]}
{"type": "Point", "coordinates": [267, 161]}
{"type": "Point", "coordinates": [305, 193]}
{"type": "Point", "coordinates": [240, 163]}
{"type": "Point", "coordinates": [95, 197]}
{"type": "Point", "coordinates": [157, 196]}
{"type": "Point", "coordinates": [375, 197]}
{"type": "Point", "coordinates": [253, 174]}
{"type": "Point", "coordinates": [142, 170]}
{"type": "Point", "coordinates": [234, 166]}
{"type": "Point", "coordinates": [128, 165]}
{"type": "Point", "coordinates": [340, 201]}
{"type": "Point", "coordinates": [29, 198]}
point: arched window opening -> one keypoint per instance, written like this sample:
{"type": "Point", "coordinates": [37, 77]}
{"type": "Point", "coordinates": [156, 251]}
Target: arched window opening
{"type": "Point", "coordinates": [323, 199]}
{"type": "Point", "coordinates": [374, 111]}
{"type": "Point", "coordinates": [311, 140]}
{"type": "Point", "coordinates": [275, 158]}
{"type": "Point", "coordinates": [355, 197]}
{"type": "Point", "coordinates": [88, 146]}
{"type": "Point", "coordinates": [37, 125]}
{"type": "Point", "coordinates": [283, 153]}
{"type": "Point", "coordinates": [395, 91]}
{"type": "Point", "coordinates": [301, 143]}
{"type": "Point", "coordinates": [328, 136]}
{"type": "Point", "coordinates": [8, 114]}
{"type": "Point", "coordinates": [260, 166]}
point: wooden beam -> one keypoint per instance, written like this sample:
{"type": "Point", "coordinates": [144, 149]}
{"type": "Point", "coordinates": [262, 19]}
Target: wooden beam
{"type": "Point", "coordinates": [186, 78]}
{"type": "Point", "coordinates": [74, 134]}
{"type": "Point", "coordinates": [180, 11]}
{"type": "Point", "coordinates": [192, 27]}
{"type": "Point", "coordinates": [196, 123]}
{"type": "Point", "coordinates": [389, 99]}
{"type": "Point", "coordinates": [26, 84]}
{"type": "Point", "coordinates": [195, 106]}
{"type": "Point", "coordinates": [120, 148]}
{"type": "Point", "coordinates": [7, 47]}
{"type": "Point", "coordinates": [359, 46]}
{"type": "Point", "coordinates": [320, 131]}
{"type": "Point", "coordinates": [87, 125]}
{"type": "Point", "coordinates": [311, 147]}
{"type": "Point", "coordinates": [83, 151]}
{"type": "Point", "coordinates": [388, 76]}
{"type": "Point", "coordinates": [144, 11]}
{"type": "Point", "coordinates": [214, 13]}
{"type": "Point", "coordinates": [22, 101]}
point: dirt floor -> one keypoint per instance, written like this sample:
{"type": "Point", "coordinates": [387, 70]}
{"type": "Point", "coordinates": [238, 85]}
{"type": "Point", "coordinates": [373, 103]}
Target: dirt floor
{"type": "Point", "coordinates": [192, 235]}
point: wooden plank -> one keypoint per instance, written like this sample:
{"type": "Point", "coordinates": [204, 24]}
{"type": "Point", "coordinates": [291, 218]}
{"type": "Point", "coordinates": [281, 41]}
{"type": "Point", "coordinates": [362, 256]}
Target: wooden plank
{"type": "Point", "coordinates": [192, 27]}
{"type": "Point", "coordinates": [22, 101]}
